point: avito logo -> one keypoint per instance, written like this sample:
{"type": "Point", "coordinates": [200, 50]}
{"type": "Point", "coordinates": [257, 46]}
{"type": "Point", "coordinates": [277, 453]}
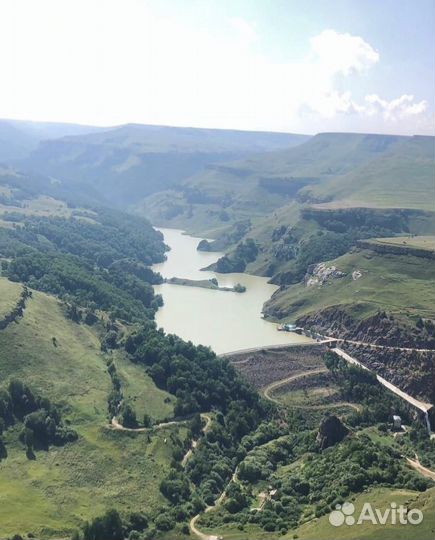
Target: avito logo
{"type": "Point", "coordinates": [394, 515]}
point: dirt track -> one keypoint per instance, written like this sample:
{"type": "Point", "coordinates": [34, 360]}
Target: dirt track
{"type": "Point", "coordinates": [266, 391]}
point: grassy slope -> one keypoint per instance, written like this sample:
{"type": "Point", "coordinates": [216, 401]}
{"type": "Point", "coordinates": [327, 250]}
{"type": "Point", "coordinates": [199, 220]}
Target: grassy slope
{"type": "Point", "coordinates": [9, 295]}
{"type": "Point", "coordinates": [103, 469]}
{"type": "Point", "coordinates": [40, 206]}
{"type": "Point", "coordinates": [419, 242]}
{"type": "Point", "coordinates": [401, 178]}
{"type": "Point", "coordinates": [141, 392]}
{"type": "Point", "coordinates": [152, 138]}
{"type": "Point", "coordinates": [401, 283]}
{"type": "Point", "coordinates": [352, 169]}
{"type": "Point", "coordinates": [378, 497]}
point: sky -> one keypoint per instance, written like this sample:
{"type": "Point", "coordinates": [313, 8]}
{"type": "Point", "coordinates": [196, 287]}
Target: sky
{"type": "Point", "coordinates": [301, 66]}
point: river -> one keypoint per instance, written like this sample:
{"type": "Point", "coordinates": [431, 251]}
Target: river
{"type": "Point", "coordinates": [226, 321]}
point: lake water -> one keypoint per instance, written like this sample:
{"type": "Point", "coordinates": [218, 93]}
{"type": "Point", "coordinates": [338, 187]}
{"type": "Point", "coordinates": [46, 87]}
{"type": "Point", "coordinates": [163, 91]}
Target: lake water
{"type": "Point", "coordinates": [226, 321]}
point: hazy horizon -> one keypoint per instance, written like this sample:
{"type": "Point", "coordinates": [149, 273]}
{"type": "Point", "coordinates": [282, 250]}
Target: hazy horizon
{"type": "Point", "coordinates": [292, 67]}
{"type": "Point", "coordinates": [115, 126]}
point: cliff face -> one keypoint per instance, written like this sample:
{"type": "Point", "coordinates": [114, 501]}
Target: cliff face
{"type": "Point", "coordinates": [412, 371]}
{"type": "Point", "coordinates": [396, 249]}
{"type": "Point", "coordinates": [379, 329]}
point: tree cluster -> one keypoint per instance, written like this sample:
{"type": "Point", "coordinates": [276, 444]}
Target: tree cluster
{"type": "Point", "coordinates": [41, 419]}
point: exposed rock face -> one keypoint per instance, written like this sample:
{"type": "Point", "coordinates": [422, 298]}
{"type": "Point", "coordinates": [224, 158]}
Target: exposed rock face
{"type": "Point", "coordinates": [397, 249]}
{"type": "Point", "coordinates": [379, 329]}
{"type": "Point", "coordinates": [331, 431]}
{"type": "Point", "coordinates": [318, 274]}
{"type": "Point", "coordinates": [412, 371]}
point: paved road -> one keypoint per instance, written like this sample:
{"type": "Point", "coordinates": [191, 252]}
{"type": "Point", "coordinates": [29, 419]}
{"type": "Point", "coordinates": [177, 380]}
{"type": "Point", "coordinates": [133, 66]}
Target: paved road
{"type": "Point", "coordinates": [375, 346]}
{"type": "Point", "coordinates": [325, 341]}
{"type": "Point", "coordinates": [276, 347]}
{"type": "Point", "coordinates": [424, 407]}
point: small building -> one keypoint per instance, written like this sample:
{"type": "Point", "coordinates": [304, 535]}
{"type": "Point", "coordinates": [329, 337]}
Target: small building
{"type": "Point", "coordinates": [397, 422]}
{"type": "Point", "coordinates": [273, 493]}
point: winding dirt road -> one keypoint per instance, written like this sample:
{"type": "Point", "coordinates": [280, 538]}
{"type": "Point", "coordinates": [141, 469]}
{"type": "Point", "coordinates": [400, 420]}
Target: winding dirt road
{"type": "Point", "coordinates": [415, 464]}
{"type": "Point", "coordinates": [114, 424]}
{"type": "Point", "coordinates": [267, 390]}
{"type": "Point", "coordinates": [277, 384]}
{"type": "Point", "coordinates": [194, 442]}
{"type": "Point", "coordinates": [218, 501]}
{"type": "Point", "coordinates": [197, 532]}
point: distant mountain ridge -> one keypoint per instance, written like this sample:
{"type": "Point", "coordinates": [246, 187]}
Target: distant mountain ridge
{"type": "Point", "coordinates": [330, 169]}
{"type": "Point", "coordinates": [20, 137]}
{"type": "Point", "coordinates": [129, 162]}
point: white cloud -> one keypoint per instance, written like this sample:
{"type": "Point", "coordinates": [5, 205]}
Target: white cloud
{"type": "Point", "coordinates": [343, 53]}
{"type": "Point", "coordinates": [109, 62]}
{"type": "Point", "coordinates": [396, 109]}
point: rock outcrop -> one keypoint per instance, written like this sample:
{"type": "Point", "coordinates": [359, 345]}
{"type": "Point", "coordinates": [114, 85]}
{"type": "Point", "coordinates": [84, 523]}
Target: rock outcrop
{"type": "Point", "coordinates": [331, 431]}
{"type": "Point", "coordinates": [378, 329]}
{"type": "Point", "coordinates": [318, 274]}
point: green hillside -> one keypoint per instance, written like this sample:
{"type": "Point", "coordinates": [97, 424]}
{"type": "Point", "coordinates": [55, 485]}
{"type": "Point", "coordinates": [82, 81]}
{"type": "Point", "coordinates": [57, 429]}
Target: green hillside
{"type": "Point", "coordinates": [9, 294]}
{"type": "Point", "coordinates": [97, 406]}
{"type": "Point", "coordinates": [332, 170]}
{"type": "Point", "coordinates": [400, 178]}
{"type": "Point", "coordinates": [140, 390]}
{"type": "Point", "coordinates": [402, 284]}
{"type": "Point", "coordinates": [104, 468]}
{"type": "Point", "coordinates": [112, 429]}
{"type": "Point", "coordinates": [378, 498]}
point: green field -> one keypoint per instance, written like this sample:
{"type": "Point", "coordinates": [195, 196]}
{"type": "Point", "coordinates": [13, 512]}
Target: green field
{"type": "Point", "coordinates": [400, 178]}
{"type": "Point", "coordinates": [317, 397]}
{"type": "Point", "coordinates": [321, 529]}
{"type": "Point", "coordinates": [419, 242]}
{"type": "Point", "coordinates": [334, 169]}
{"type": "Point", "coordinates": [51, 495]}
{"type": "Point", "coordinates": [9, 296]}
{"type": "Point", "coordinates": [39, 206]}
{"type": "Point", "coordinates": [403, 284]}
{"type": "Point", "coordinates": [378, 498]}
{"type": "Point", "coordinates": [141, 392]}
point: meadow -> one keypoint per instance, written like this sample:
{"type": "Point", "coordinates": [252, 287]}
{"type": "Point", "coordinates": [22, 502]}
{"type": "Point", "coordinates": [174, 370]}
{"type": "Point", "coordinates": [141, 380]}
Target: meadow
{"type": "Point", "coordinates": [104, 468]}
